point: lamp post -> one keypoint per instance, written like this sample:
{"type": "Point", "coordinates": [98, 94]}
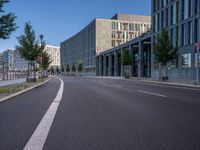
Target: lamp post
{"type": "Point", "coordinates": [197, 48]}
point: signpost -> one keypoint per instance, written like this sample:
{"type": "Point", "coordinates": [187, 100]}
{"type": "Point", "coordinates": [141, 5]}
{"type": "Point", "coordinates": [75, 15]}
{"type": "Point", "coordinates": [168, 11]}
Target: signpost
{"type": "Point", "coordinates": [197, 49]}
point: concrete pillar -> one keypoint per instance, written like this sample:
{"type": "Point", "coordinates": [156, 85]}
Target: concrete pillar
{"type": "Point", "coordinates": [100, 65]}
{"type": "Point", "coordinates": [140, 60]}
{"type": "Point", "coordinates": [109, 64]}
{"type": "Point", "coordinates": [122, 67]}
{"type": "Point", "coordinates": [115, 64]}
{"type": "Point", "coordinates": [97, 66]}
{"type": "Point", "coordinates": [131, 66]}
{"type": "Point", "coordinates": [104, 65]}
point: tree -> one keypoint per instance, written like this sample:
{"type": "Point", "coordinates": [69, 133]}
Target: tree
{"type": "Point", "coordinates": [126, 61]}
{"type": "Point", "coordinates": [28, 46]}
{"type": "Point", "coordinates": [7, 22]}
{"type": "Point", "coordinates": [73, 68]}
{"type": "Point", "coordinates": [164, 52]}
{"type": "Point", "coordinates": [80, 66]}
{"type": "Point", "coordinates": [46, 60]}
{"type": "Point", "coordinates": [62, 69]}
{"type": "Point", "coordinates": [57, 70]}
{"type": "Point", "coordinates": [67, 68]}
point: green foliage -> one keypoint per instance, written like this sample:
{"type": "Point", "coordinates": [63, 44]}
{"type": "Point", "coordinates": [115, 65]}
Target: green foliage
{"type": "Point", "coordinates": [126, 58]}
{"type": "Point", "coordinates": [51, 69]}
{"type": "Point", "coordinates": [80, 67]}
{"type": "Point", "coordinates": [68, 68]}
{"type": "Point", "coordinates": [164, 52]}
{"type": "Point", "coordinates": [46, 60]}
{"type": "Point", "coordinates": [7, 22]}
{"type": "Point", "coordinates": [57, 69]}
{"type": "Point", "coordinates": [28, 45]}
{"type": "Point", "coordinates": [62, 69]}
{"type": "Point", "coordinates": [73, 68]}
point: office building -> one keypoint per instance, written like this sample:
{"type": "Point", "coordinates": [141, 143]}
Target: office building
{"type": "Point", "coordinates": [54, 53]}
{"type": "Point", "coordinates": [13, 61]}
{"type": "Point", "coordinates": [182, 19]}
{"type": "Point", "coordinates": [100, 35]}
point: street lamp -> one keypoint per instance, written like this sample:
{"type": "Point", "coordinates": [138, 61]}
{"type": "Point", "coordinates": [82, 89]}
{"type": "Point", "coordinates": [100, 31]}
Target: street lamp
{"type": "Point", "coordinates": [197, 48]}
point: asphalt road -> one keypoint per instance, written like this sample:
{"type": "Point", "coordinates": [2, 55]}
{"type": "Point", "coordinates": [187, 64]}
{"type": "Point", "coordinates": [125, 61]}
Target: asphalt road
{"type": "Point", "coordinates": [106, 114]}
{"type": "Point", "coordinates": [20, 116]}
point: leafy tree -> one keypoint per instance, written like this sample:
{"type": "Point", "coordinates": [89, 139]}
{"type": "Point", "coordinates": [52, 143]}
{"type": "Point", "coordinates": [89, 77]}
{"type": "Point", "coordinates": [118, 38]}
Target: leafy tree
{"type": "Point", "coordinates": [62, 69]}
{"type": "Point", "coordinates": [28, 45]}
{"type": "Point", "coordinates": [73, 68]}
{"type": "Point", "coordinates": [7, 22]}
{"type": "Point", "coordinates": [46, 60]}
{"type": "Point", "coordinates": [126, 58]}
{"type": "Point", "coordinates": [80, 66]}
{"type": "Point", "coordinates": [57, 70]}
{"type": "Point", "coordinates": [68, 68]}
{"type": "Point", "coordinates": [126, 61]}
{"type": "Point", "coordinates": [51, 70]}
{"type": "Point", "coordinates": [164, 52]}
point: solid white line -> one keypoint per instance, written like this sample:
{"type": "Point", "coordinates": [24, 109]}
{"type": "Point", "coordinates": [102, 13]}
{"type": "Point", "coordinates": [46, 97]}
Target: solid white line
{"type": "Point", "coordinates": [37, 140]}
{"type": "Point", "coordinates": [151, 93]}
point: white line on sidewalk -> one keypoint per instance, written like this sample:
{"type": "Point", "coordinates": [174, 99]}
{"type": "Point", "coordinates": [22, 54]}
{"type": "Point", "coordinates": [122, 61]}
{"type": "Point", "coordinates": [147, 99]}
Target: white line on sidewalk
{"type": "Point", "coordinates": [151, 93]}
{"type": "Point", "coordinates": [37, 140]}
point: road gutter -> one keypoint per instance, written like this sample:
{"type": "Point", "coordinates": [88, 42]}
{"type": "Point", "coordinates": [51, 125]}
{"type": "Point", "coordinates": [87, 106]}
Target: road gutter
{"type": "Point", "coordinates": [22, 92]}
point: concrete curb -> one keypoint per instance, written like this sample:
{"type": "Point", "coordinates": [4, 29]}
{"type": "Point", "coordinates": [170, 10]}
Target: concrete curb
{"type": "Point", "coordinates": [23, 91]}
{"type": "Point", "coordinates": [172, 84]}
{"type": "Point", "coordinates": [153, 82]}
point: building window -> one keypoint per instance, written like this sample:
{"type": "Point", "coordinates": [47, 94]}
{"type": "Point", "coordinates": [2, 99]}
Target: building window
{"type": "Point", "coordinates": [131, 26]}
{"type": "Point", "coordinates": [174, 13]}
{"type": "Point", "coordinates": [198, 30]}
{"type": "Point", "coordinates": [186, 60]}
{"type": "Point", "coordinates": [185, 34]}
{"type": "Point", "coordinates": [113, 43]}
{"type": "Point", "coordinates": [156, 22]}
{"type": "Point", "coordinates": [186, 11]}
{"type": "Point", "coordinates": [113, 34]}
{"type": "Point", "coordinates": [196, 6]}
{"type": "Point", "coordinates": [190, 33]}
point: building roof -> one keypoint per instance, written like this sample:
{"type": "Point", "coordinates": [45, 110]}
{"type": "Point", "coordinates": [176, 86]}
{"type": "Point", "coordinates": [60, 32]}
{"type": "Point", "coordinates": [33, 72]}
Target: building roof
{"type": "Point", "coordinates": [130, 17]}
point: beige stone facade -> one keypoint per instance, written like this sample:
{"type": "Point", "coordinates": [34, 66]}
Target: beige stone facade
{"type": "Point", "coordinates": [101, 35]}
{"type": "Point", "coordinates": [54, 52]}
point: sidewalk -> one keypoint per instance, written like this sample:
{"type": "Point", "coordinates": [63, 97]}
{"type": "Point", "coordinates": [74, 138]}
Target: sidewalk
{"type": "Point", "coordinates": [183, 83]}
{"type": "Point", "coordinates": [10, 82]}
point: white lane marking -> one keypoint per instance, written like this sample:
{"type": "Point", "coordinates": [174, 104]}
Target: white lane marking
{"type": "Point", "coordinates": [37, 140]}
{"type": "Point", "coordinates": [152, 93]}
{"type": "Point", "coordinates": [116, 86]}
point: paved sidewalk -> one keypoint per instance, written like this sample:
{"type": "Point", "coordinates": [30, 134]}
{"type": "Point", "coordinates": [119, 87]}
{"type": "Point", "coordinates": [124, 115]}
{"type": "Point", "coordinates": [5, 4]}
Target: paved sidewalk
{"type": "Point", "coordinates": [10, 82]}
{"type": "Point", "coordinates": [184, 83]}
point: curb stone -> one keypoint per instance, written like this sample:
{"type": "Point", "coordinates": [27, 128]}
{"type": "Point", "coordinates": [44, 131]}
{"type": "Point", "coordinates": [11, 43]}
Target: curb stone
{"type": "Point", "coordinates": [22, 92]}
{"type": "Point", "coordinates": [155, 82]}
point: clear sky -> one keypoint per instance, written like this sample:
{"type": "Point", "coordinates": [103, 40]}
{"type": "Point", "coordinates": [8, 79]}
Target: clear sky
{"type": "Point", "coordinates": [58, 20]}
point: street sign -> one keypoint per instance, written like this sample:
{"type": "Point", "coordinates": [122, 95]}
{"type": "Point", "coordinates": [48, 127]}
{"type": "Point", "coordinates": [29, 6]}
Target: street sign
{"type": "Point", "coordinates": [197, 47]}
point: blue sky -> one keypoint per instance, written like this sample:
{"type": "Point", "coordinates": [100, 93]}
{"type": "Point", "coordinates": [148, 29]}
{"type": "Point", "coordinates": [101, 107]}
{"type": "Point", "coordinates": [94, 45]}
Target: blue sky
{"type": "Point", "coordinates": [58, 20]}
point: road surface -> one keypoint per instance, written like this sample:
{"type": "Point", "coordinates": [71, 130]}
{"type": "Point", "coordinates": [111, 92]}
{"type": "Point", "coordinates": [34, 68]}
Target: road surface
{"type": "Point", "coordinates": [105, 114]}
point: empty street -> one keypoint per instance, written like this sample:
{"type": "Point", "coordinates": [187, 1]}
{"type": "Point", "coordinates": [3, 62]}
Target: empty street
{"type": "Point", "coordinates": [104, 114]}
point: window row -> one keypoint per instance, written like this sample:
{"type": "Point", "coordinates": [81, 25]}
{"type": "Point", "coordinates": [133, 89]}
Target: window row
{"type": "Point", "coordinates": [177, 12]}
{"type": "Point", "coordinates": [186, 6]}
{"type": "Point", "coordinates": [130, 26]}
{"type": "Point", "coordinates": [185, 34]}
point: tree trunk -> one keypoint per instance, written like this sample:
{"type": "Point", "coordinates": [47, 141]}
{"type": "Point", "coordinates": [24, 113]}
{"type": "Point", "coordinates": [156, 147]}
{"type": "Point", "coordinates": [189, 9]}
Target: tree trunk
{"type": "Point", "coordinates": [127, 72]}
{"type": "Point", "coordinates": [160, 72]}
